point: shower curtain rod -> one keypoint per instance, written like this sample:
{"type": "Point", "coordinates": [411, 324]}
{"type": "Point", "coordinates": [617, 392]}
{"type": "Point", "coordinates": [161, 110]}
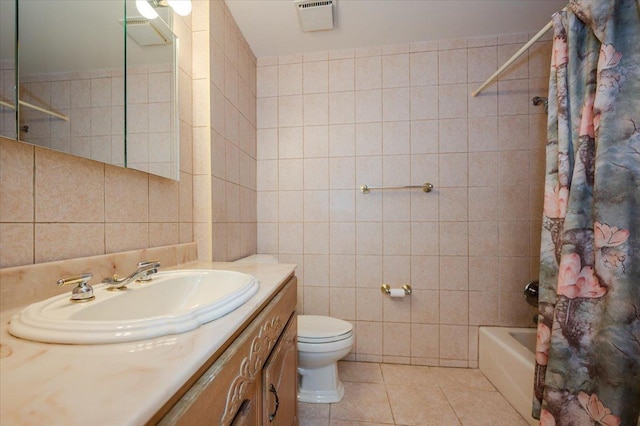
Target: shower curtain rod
{"type": "Point", "coordinates": [514, 57]}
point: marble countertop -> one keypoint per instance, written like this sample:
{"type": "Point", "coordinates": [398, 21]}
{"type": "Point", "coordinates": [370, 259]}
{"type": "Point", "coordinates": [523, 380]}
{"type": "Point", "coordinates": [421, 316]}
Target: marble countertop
{"type": "Point", "coordinates": [115, 384]}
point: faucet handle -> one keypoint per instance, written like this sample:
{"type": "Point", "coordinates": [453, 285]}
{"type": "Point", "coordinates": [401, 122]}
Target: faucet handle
{"type": "Point", "coordinates": [83, 292]}
{"type": "Point", "coordinates": [149, 267]}
{"type": "Point", "coordinates": [531, 291]}
{"type": "Point", "coordinates": [75, 279]}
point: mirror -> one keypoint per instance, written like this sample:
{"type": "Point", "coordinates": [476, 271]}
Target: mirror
{"type": "Point", "coordinates": [86, 89]}
{"type": "Point", "coordinates": [8, 69]}
{"type": "Point", "coordinates": [151, 88]}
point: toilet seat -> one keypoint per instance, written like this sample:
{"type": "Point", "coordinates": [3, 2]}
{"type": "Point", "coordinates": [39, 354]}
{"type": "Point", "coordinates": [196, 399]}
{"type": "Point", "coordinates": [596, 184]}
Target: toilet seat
{"type": "Point", "coordinates": [326, 339]}
{"type": "Point", "coordinates": [320, 329]}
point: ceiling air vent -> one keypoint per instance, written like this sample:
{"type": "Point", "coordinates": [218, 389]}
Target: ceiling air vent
{"type": "Point", "coordinates": [315, 15]}
{"type": "Point", "coordinates": [145, 32]}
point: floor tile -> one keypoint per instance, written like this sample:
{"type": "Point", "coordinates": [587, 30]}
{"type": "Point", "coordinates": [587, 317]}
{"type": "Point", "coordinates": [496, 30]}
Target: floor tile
{"type": "Point", "coordinates": [364, 402]}
{"type": "Point", "coordinates": [461, 378]}
{"type": "Point", "coordinates": [420, 405]}
{"type": "Point", "coordinates": [406, 395]}
{"type": "Point", "coordinates": [368, 372]}
{"type": "Point", "coordinates": [482, 408]}
{"type": "Point", "coordinates": [306, 409]}
{"type": "Point", "coordinates": [405, 374]}
{"type": "Point", "coordinates": [313, 421]}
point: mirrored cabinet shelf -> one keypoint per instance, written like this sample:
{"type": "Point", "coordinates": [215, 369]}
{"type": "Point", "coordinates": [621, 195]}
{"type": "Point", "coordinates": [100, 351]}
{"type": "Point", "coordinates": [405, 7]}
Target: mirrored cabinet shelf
{"type": "Point", "coordinates": [93, 79]}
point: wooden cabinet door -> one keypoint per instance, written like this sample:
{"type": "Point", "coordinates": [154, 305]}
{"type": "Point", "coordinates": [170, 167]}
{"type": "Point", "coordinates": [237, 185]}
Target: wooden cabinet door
{"type": "Point", "coordinates": [249, 411]}
{"type": "Point", "coordinates": [280, 380]}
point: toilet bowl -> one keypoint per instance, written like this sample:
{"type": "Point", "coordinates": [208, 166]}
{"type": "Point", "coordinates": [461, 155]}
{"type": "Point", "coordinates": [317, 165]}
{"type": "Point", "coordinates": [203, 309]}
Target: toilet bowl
{"type": "Point", "coordinates": [322, 342]}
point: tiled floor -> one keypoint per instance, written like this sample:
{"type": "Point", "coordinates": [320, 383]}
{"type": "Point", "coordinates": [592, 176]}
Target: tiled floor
{"type": "Point", "coordinates": [389, 394]}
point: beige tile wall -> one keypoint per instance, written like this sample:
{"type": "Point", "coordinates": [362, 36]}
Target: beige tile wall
{"type": "Point", "coordinates": [55, 206]}
{"type": "Point", "coordinates": [329, 122]}
{"type": "Point", "coordinates": [224, 137]}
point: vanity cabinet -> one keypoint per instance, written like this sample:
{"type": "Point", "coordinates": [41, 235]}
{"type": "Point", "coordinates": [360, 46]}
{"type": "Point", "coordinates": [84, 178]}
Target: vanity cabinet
{"type": "Point", "coordinates": [249, 412]}
{"type": "Point", "coordinates": [254, 380]}
{"type": "Point", "coordinates": [280, 380]}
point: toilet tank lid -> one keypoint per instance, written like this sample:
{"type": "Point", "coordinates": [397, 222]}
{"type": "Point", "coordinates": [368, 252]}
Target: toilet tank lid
{"type": "Point", "coordinates": [319, 327]}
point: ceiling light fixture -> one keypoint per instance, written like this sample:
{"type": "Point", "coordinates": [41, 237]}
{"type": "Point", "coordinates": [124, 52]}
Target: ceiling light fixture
{"type": "Point", "coordinates": [147, 7]}
{"type": "Point", "coordinates": [146, 10]}
{"type": "Point", "coordinates": [181, 7]}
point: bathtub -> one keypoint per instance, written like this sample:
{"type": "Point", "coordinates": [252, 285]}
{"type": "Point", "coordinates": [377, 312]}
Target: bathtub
{"type": "Point", "coordinates": [506, 358]}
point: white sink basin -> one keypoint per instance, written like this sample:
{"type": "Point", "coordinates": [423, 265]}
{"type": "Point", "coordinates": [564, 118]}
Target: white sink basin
{"type": "Point", "coordinates": [173, 302]}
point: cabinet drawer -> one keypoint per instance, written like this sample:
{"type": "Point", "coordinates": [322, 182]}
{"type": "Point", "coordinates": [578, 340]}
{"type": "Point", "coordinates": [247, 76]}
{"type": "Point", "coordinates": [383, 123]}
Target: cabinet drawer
{"type": "Point", "coordinates": [229, 387]}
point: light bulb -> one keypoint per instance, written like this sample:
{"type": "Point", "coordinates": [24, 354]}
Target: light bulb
{"type": "Point", "coordinates": [181, 7]}
{"type": "Point", "coordinates": [146, 10]}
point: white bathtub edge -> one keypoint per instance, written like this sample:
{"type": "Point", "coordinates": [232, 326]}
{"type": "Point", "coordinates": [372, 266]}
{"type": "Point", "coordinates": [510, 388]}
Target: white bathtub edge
{"type": "Point", "coordinates": [509, 366]}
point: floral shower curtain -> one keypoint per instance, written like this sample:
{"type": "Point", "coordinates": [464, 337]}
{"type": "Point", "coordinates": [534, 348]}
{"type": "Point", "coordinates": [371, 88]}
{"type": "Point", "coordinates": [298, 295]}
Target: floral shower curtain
{"type": "Point", "coordinates": [588, 346]}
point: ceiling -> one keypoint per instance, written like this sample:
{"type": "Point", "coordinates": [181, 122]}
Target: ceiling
{"type": "Point", "coordinates": [271, 26]}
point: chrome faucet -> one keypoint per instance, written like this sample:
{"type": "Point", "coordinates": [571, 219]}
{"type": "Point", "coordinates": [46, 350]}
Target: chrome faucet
{"type": "Point", "coordinates": [143, 272]}
{"type": "Point", "coordinates": [83, 292]}
{"type": "Point", "coordinates": [531, 293]}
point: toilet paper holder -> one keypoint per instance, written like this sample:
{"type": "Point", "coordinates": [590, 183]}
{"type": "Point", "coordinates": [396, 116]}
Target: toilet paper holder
{"type": "Point", "coordinates": [386, 289]}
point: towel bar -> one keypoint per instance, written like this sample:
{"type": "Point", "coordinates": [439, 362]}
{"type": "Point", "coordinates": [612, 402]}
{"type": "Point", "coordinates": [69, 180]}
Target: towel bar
{"type": "Point", "coordinates": [426, 187]}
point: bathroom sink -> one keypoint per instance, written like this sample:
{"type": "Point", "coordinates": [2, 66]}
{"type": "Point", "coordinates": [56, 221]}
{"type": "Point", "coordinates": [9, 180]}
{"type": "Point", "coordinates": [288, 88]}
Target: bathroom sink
{"type": "Point", "coordinates": [172, 302]}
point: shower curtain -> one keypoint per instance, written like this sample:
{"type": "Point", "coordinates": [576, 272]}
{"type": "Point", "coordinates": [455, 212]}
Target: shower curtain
{"type": "Point", "coordinates": [588, 342]}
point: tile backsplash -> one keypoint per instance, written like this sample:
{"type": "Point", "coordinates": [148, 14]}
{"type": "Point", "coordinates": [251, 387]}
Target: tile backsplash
{"type": "Point", "coordinates": [22, 285]}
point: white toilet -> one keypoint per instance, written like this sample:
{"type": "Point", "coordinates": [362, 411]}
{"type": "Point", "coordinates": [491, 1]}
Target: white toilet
{"type": "Point", "coordinates": [322, 342]}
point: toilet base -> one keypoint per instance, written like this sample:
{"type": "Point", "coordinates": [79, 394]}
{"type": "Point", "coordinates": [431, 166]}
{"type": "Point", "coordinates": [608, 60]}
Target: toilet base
{"type": "Point", "coordinates": [321, 396]}
{"type": "Point", "coordinates": [320, 385]}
